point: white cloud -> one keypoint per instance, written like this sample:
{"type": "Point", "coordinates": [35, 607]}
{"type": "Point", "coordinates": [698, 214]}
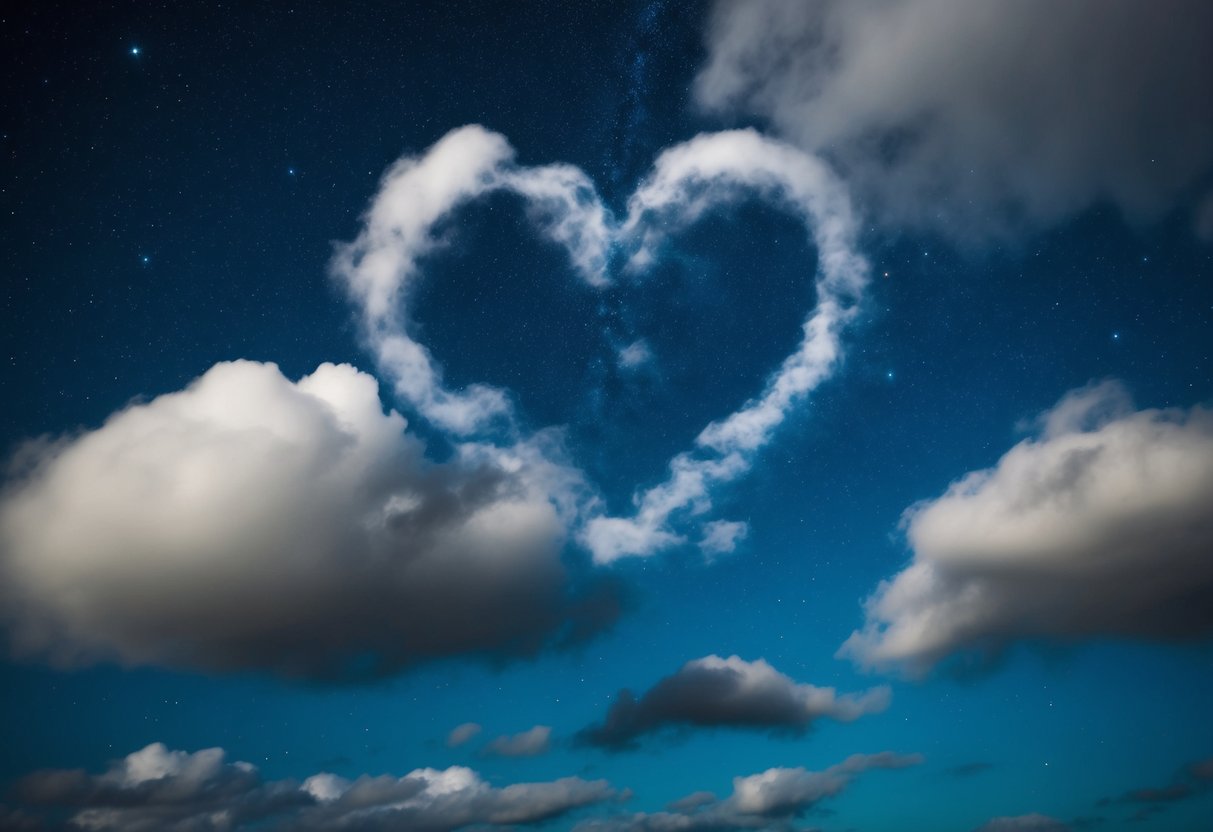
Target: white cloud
{"type": "Point", "coordinates": [248, 521]}
{"type": "Point", "coordinates": [686, 182]}
{"type": "Point", "coordinates": [980, 118]}
{"type": "Point", "coordinates": [635, 355]}
{"type": "Point", "coordinates": [530, 743]}
{"type": "Point", "coordinates": [1100, 526]}
{"type": "Point", "coordinates": [720, 537]}
{"type": "Point", "coordinates": [202, 792]}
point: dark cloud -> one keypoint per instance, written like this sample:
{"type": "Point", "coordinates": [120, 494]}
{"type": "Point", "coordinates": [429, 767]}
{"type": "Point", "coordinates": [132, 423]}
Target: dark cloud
{"type": "Point", "coordinates": [1098, 526]}
{"type": "Point", "coordinates": [1023, 823]}
{"type": "Point", "coordinates": [978, 119]}
{"type": "Point", "coordinates": [249, 521]}
{"type": "Point", "coordinates": [716, 692]}
{"type": "Point", "coordinates": [768, 800]}
{"type": "Point", "coordinates": [1192, 780]}
{"type": "Point", "coordinates": [158, 790]}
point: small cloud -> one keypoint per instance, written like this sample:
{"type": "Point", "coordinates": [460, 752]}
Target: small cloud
{"type": "Point", "coordinates": [532, 743]}
{"type": "Point", "coordinates": [728, 693]}
{"type": "Point", "coordinates": [720, 537]}
{"type": "Point", "coordinates": [461, 734]}
{"type": "Point", "coordinates": [635, 355]}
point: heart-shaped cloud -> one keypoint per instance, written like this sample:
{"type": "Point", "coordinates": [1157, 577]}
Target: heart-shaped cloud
{"type": "Point", "coordinates": [381, 267]}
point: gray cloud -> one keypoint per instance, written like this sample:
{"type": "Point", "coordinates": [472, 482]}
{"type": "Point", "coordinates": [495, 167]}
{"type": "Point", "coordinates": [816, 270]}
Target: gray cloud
{"type": "Point", "coordinates": [462, 734]}
{"type": "Point", "coordinates": [249, 521]}
{"type": "Point", "coordinates": [1023, 823]}
{"type": "Point", "coordinates": [981, 118]}
{"type": "Point", "coordinates": [158, 790]}
{"type": "Point", "coordinates": [1098, 526]}
{"type": "Point", "coordinates": [1192, 780]}
{"type": "Point", "coordinates": [716, 692]}
{"type": "Point", "coordinates": [530, 743]}
{"type": "Point", "coordinates": [768, 800]}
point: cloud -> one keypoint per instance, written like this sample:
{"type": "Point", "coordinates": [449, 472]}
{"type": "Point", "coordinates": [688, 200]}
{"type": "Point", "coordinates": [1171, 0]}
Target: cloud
{"type": "Point", "coordinates": [1192, 780]}
{"type": "Point", "coordinates": [969, 769]}
{"type": "Point", "coordinates": [159, 790]}
{"type": "Point", "coordinates": [635, 355]}
{"type": "Point", "coordinates": [767, 800]}
{"type": "Point", "coordinates": [420, 194]}
{"type": "Point", "coordinates": [1098, 526]}
{"type": "Point", "coordinates": [976, 119]}
{"type": "Point", "coordinates": [688, 181]}
{"type": "Point", "coordinates": [721, 537]}
{"type": "Point", "coordinates": [249, 521]}
{"type": "Point", "coordinates": [1023, 823]}
{"type": "Point", "coordinates": [404, 225]}
{"type": "Point", "coordinates": [462, 734]}
{"type": "Point", "coordinates": [531, 743]}
{"type": "Point", "coordinates": [715, 692]}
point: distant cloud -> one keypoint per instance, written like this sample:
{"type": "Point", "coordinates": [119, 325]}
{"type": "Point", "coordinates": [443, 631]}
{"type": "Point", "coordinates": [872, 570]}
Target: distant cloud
{"type": "Point", "coordinates": [968, 769]}
{"type": "Point", "coordinates": [1192, 780]}
{"type": "Point", "coordinates": [720, 537]}
{"type": "Point", "coordinates": [462, 734]}
{"type": "Point", "coordinates": [978, 119]}
{"type": "Point", "coordinates": [635, 355]}
{"type": "Point", "coordinates": [249, 521]}
{"type": "Point", "coordinates": [158, 790]}
{"type": "Point", "coordinates": [714, 692]}
{"type": "Point", "coordinates": [767, 800]}
{"type": "Point", "coordinates": [531, 743]}
{"type": "Point", "coordinates": [1023, 823]}
{"type": "Point", "coordinates": [1098, 526]}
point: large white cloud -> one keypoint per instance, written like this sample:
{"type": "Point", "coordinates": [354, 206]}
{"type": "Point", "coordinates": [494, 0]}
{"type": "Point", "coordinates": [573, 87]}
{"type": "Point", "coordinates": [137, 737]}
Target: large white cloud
{"type": "Point", "coordinates": [159, 790]}
{"type": "Point", "coordinates": [1102, 525]}
{"type": "Point", "coordinates": [251, 521]}
{"type": "Point", "coordinates": [980, 118]}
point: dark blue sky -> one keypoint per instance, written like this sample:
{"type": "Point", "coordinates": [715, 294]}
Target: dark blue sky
{"type": "Point", "coordinates": [1019, 247]}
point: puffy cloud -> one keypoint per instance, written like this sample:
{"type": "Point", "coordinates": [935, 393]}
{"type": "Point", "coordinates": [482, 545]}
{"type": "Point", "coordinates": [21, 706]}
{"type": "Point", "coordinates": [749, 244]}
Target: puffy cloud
{"type": "Point", "coordinates": [1023, 823]}
{"type": "Point", "coordinates": [635, 355]}
{"type": "Point", "coordinates": [1099, 525]}
{"type": "Point", "coordinates": [716, 692]}
{"type": "Point", "coordinates": [767, 800]}
{"type": "Point", "coordinates": [171, 791]}
{"type": "Point", "coordinates": [462, 734]}
{"type": "Point", "coordinates": [977, 118]}
{"type": "Point", "coordinates": [530, 743]}
{"type": "Point", "coordinates": [249, 521]}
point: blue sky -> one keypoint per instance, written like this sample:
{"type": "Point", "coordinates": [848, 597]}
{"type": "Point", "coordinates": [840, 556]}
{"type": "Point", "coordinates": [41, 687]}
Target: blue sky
{"type": "Point", "coordinates": [806, 404]}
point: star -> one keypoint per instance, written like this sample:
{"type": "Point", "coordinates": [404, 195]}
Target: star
{"type": "Point", "coordinates": [1115, 336]}
{"type": "Point", "coordinates": [290, 171]}
{"type": "Point", "coordinates": [144, 259]}
{"type": "Point", "coordinates": [135, 51]}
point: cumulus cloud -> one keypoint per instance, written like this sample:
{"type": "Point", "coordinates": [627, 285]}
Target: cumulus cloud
{"type": "Point", "coordinates": [979, 118]}
{"type": "Point", "coordinates": [249, 521]}
{"type": "Point", "coordinates": [1023, 823]}
{"type": "Point", "coordinates": [1097, 526]}
{"type": "Point", "coordinates": [462, 734]}
{"type": "Point", "coordinates": [768, 800]}
{"type": "Point", "coordinates": [530, 743]}
{"type": "Point", "coordinates": [715, 692]}
{"type": "Point", "coordinates": [159, 790]}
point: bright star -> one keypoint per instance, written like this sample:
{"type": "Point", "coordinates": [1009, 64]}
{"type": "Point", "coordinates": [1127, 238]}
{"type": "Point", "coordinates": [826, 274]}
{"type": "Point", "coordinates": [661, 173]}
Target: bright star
{"type": "Point", "coordinates": [889, 375]}
{"type": "Point", "coordinates": [135, 51]}
{"type": "Point", "coordinates": [1115, 336]}
{"type": "Point", "coordinates": [290, 171]}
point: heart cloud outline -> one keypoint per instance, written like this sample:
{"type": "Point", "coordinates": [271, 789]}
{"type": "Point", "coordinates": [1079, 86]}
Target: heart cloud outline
{"type": "Point", "coordinates": [381, 265]}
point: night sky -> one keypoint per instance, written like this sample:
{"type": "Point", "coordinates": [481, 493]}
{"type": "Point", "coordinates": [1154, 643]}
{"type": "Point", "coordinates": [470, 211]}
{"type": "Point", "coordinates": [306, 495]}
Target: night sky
{"type": "Point", "coordinates": [610, 416]}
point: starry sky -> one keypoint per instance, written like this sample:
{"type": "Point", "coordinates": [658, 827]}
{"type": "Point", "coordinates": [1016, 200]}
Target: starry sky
{"type": "Point", "coordinates": [607, 416]}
